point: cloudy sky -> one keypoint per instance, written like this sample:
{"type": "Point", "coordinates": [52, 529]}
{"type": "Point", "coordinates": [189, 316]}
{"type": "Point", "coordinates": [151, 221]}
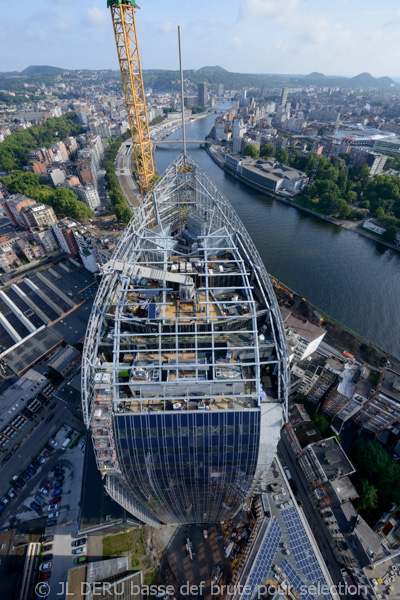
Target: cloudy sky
{"type": "Point", "coordinates": [339, 37]}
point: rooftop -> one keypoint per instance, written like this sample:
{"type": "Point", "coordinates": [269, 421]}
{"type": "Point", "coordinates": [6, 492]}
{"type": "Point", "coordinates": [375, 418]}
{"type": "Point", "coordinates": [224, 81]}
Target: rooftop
{"type": "Point", "coordinates": [304, 328]}
{"type": "Point", "coordinates": [332, 458]}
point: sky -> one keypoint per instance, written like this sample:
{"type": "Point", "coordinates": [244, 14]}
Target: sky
{"type": "Point", "coordinates": [339, 37]}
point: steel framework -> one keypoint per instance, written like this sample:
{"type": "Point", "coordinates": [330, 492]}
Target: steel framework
{"type": "Point", "coordinates": [123, 17]}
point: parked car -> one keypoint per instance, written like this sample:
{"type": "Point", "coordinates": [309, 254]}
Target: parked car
{"type": "Point", "coordinates": [31, 470]}
{"type": "Point", "coordinates": [47, 547]}
{"type": "Point", "coordinates": [79, 542]}
{"type": "Point", "coordinates": [58, 484]}
{"type": "Point", "coordinates": [6, 458]}
{"type": "Point", "coordinates": [2, 507]}
{"type": "Point", "coordinates": [46, 454]}
{"type": "Point", "coordinates": [46, 538]}
{"type": "Point", "coordinates": [41, 459]}
{"type": "Point", "coordinates": [36, 463]}
{"type": "Point", "coordinates": [45, 575]}
{"type": "Point", "coordinates": [53, 443]}
{"type": "Point", "coordinates": [45, 566]}
{"type": "Point", "coordinates": [70, 432]}
{"type": "Point", "coordinates": [56, 492]}
{"type": "Point", "coordinates": [53, 405]}
{"type": "Point", "coordinates": [11, 494]}
{"type": "Point", "coordinates": [34, 506]}
{"type": "Point", "coordinates": [16, 488]}
{"type": "Point", "coordinates": [47, 485]}
{"type": "Point", "coordinates": [39, 499]}
{"type": "Point", "coordinates": [21, 481]}
{"type": "Point", "coordinates": [81, 550]}
{"type": "Point", "coordinates": [44, 491]}
{"type": "Point", "coordinates": [51, 523]}
{"type": "Point", "coordinates": [53, 515]}
{"type": "Point", "coordinates": [49, 418]}
{"type": "Point", "coordinates": [5, 500]}
{"type": "Point", "coordinates": [55, 500]}
{"type": "Point", "coordinates": [46, 557]}
{"type": "Point", "coordinates": [59, 472]}
{"type": "Point", "coordinates": [53, 507]}
{"type": "Point", "coordinates": [49, 448]}
{"type": "Point", "coordinates": [56, 467]}
{"type": "Point", "coordinates": [80, 559]}
{"type": "Point", "coordinates": [60, 478]}
{"type": "Point", "coordinates": [26, 476]}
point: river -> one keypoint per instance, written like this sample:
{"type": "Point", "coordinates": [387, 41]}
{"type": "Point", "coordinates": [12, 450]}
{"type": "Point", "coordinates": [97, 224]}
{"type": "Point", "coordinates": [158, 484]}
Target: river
{"type": "Point", "coordinates": [351, 278]}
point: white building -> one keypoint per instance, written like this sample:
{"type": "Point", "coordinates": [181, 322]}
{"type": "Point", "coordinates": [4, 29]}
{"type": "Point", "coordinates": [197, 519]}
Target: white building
{"type": "Point", "coordinates": [47, 239]}
{"type": "Point", "coordinates": [303, 337]}
{"type": "Point", "coordinates": [89, 195]}
{"type": "Point", "coordinates": [87, 253]}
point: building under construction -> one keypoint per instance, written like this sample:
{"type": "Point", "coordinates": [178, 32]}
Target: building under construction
{"type": "Point", "coordinates": [185, 368]}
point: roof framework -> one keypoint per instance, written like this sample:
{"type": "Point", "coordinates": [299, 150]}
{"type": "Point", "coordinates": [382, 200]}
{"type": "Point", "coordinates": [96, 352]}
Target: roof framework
{"type": "Point", "coordinates": [185, 317]}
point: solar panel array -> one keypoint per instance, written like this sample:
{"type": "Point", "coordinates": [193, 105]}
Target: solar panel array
{"type": "Point", "coordinates": [263, 562]}
{"type": "Point", "coordinates": [302, 551]}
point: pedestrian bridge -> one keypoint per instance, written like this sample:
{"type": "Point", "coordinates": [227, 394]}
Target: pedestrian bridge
{"type": "Point", "coordinates": [167, 142]}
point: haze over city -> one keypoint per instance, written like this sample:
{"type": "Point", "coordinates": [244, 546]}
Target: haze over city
{"type": "Point", "coordinates": [344, 37]}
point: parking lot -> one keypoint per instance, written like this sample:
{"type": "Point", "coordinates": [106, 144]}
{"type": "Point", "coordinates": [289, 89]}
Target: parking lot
{"type": "Point", "coordinates": [49, 500]}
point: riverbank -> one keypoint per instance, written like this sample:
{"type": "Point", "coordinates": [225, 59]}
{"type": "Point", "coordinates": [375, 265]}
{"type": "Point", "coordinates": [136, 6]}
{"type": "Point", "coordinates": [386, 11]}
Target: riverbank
{"type": "Point", "coordinates": [338, 336]}
{"type": "Point", "coordinates": [349, 226]}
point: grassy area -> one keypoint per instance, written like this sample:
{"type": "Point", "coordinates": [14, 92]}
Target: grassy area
{"type": "Point", "coordinates": [133, 542]}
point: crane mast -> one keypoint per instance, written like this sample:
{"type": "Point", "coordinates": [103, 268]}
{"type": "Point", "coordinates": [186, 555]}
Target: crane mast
{"type": "Point", "coordinates": [123, 17]}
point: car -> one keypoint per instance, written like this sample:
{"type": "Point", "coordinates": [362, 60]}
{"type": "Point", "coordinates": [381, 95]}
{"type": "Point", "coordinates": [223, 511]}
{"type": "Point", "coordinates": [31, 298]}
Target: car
{"type": "Point", "coordinates": [46, 557]}
{"type": "Point", "coordinates": [21, 481]}
{"type": "Point", "coordinates": [53, 507]}
{"type": "Point", "coordinates": [44, 491]}
{"type": "Point", "coordinates": [5, 500]}
{"type": "Point", "coordinates": [287, 473]}
{"type": "Point", "coordinates": [35, 464]}
{"type": "Point", "coordinates": [16, 488]}
{"type": "Point", "coordinates": [45, 566]}
{"type": "Point", "coordinates": [205, 534]}
{"type": "Point", "coordinates": [45, 575]}
{"type": "Point", "coordinates": [34, 506]}
{"type": "Point", "coordinates": [11, 494]}
{"type": "Point", "coordinates": [56, 492]}
{"type": "Point", "coordinates": [39, 499]}
{"type": "Point", "coordinates": [60, 478]}
{"type": "Point", "coordinates": [41, 459]}
{"type": "Point", "coordinates": [56, 467]}
{"type": "Point", "coordinates": [55, 500]}
{"type": "Point", "coordinates": [49, 418]}
{"type": "Point", "coordinates": [46, 538]}
{"type": "Point", "coordinates": [53, 515]}
{"type": "Point", "coordinates": [31, 470]}
{"type": "Point", "coordinates": [79, 542]}
{"type": "Point", "coordinates": [53, 405]}
{"type": "Point", "coordinates": [26, 476]}
{"type": "Point", "coordinates": [59, 472]}
{"type": "Point", "coordinates": [69, 433]}
{"type": "Point", "coordinates": [53, 443]}
{"type": "Point", "coordinates": [49, 448]}
{"type": "Point", "coordinates": [47, 485]}
{"type": "Point", "coordinates": [80, 559]}
{"type": "Point", "coordinates": [57, 484]}
{"type": "Point", "coordinates": [2, 507]}
{"type": "Point", "coordinates": [51, 523]}
{"type": "Point", "coordinates": [47, 547]}
{"type": "Point", "coordinates": [81, 550]}
{"type": "Point", "coordinates": [46, 454]}
{"type": "Point", "coordinates": [6, 458]}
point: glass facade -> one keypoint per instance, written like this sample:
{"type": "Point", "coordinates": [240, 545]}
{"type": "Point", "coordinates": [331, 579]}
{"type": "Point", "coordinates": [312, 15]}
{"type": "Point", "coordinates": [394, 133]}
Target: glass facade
{"type": "Point", "coordinates": [189, 467]}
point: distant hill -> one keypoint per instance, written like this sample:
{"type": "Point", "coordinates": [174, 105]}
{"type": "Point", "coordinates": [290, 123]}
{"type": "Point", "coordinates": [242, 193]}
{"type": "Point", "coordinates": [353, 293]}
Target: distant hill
{"type": "Point", "coordinates": [315, 75]}
{"type": "Point", "coordinates": [216, 69]}
{"type": "Point", "coordinates": [42, 70]}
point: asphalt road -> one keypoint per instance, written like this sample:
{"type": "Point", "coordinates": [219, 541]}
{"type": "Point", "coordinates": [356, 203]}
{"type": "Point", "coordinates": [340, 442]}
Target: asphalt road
{"type": "Point", "coordinates": [314, 519]}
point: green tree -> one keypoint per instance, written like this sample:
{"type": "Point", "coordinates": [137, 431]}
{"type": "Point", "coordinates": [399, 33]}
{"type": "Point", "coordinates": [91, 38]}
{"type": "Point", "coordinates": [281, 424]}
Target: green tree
{"type": "Point", "coordinates": [251, 150]}
{"type": "Point", "coordinates": [267, 151]}
{"type": "Point", "coordinates": [390, 234]}
{"type": "Point", "coordinates": [368, 495]}
{"type": "Point", "coordinates": [321, 422]}
{"type": "Point", "coordinates": [283, 156]}
{"type": "Point", "coordinates": [344, 209]}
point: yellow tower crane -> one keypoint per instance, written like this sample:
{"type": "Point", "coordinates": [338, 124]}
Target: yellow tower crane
{"type": "Point", "coordinates": [123, 17]}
